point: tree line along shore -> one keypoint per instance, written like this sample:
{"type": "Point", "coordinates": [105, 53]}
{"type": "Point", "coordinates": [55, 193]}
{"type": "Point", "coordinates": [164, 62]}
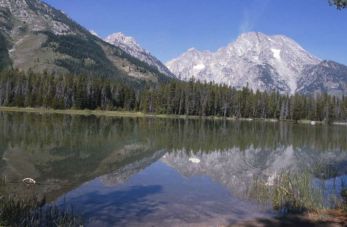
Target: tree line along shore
{"type": "Point", "coordinates": [73, 94]}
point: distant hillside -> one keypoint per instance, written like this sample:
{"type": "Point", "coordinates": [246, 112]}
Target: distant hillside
{"type": "Point", "coordinates": [36, 36]}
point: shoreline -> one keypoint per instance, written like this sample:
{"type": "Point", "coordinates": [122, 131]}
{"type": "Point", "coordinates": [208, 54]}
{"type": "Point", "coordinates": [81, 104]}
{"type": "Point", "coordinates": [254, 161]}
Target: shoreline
{"type": "Point", "coordinates": [106, 113]}
{"type": "Point", "coordinates": [324, 217]}
{"type": "Point", "coordinates": [113, 113]}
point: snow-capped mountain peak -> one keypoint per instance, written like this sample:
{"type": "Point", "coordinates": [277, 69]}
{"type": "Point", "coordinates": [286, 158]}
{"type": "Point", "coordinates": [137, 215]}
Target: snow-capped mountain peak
{"type": "Point", "coordinates": [119, 39]}
{"type": "Point", "coordinates": [255, 59]}
{"type": "Point", "coordinates": [129, 45]}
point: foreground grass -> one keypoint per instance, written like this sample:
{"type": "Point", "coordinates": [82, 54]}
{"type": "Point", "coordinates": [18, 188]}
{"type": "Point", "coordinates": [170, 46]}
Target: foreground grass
{"type": "Point", "coordinates": [289, 193]}
{"type": "Point", "coordinates": [33, 212]}
{"type": "Point", "coordinates": [298, 201]}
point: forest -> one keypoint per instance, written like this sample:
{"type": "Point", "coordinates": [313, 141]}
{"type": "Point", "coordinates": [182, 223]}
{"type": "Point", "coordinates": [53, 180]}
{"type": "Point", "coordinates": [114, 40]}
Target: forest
{"type": "Point", "coordinates": [174, 97]}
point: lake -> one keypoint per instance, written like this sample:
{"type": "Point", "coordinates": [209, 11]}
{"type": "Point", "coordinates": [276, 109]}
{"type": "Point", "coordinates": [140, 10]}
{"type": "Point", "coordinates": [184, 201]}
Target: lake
{"type": "Point", "coordinates": [166, 172]}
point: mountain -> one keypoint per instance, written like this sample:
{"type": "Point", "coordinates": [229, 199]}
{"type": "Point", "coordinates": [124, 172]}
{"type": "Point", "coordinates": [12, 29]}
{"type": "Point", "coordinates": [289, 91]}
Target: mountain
{"type": "Point", "coordinates": [327, 76]}
{"type": "Point", "coordinates": [36, 36]}
{"type": "Point", "coordinates": [260, 62]}
{"type": "Point", "coordinates": [130, 46]}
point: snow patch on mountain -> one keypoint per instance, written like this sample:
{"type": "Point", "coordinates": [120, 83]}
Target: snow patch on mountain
{"type": "Point", "coordinates": [277, 54]}
{"type": "Point", "coordinates": [199, 67]}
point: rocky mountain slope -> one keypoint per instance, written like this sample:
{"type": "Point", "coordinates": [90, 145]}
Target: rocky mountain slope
{"type": "Point", "coordinates": [36, 36]}
{"type": "Point", "coordinates": [130, 46]}
{"type": "Point", "coordinates": [327, 76]}
{"type": "Point", "coordinates": [261, 62]}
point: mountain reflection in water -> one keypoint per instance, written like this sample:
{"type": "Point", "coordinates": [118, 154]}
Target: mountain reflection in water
{"type": "Point", "coordinates": [127, 171]}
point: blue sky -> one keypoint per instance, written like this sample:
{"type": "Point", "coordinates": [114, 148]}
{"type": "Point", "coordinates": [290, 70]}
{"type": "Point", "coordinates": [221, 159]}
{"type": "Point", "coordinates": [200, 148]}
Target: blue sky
{"type": "Point", "coordinates": [167, 28]}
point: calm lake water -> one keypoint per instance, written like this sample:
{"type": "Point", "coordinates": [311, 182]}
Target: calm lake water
{"type": "Point", "coordinates": [155, 172]}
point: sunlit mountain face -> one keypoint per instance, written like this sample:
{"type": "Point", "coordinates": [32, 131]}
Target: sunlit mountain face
{"type": "Point", "coordinates": [263, 62]}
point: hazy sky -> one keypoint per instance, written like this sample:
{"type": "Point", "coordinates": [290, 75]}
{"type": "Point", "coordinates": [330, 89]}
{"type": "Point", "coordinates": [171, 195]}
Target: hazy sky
{"type": "Point", "coordinates": [167, 28]}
